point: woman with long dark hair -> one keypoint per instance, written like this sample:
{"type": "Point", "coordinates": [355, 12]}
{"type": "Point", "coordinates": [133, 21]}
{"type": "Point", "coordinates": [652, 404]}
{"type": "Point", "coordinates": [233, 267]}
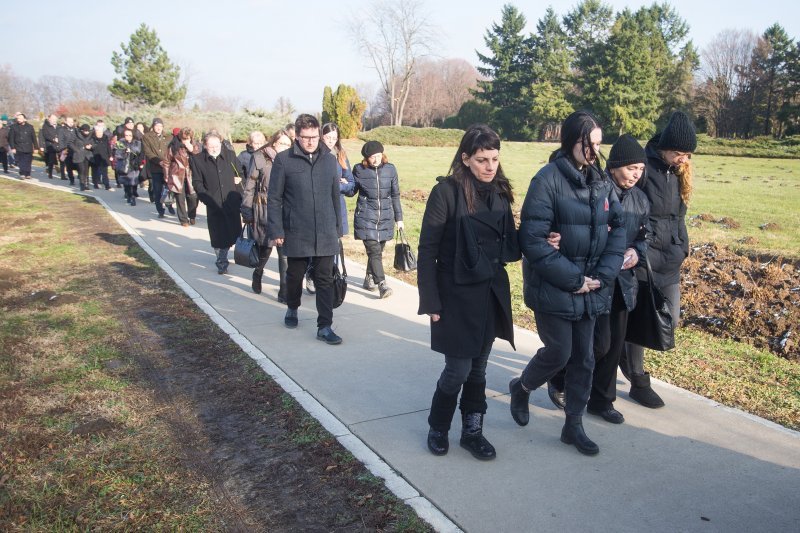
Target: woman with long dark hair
{"type": "Point", "coordinates": [467, 237]}
{"type": "Point", "coordinates": [572, 197]}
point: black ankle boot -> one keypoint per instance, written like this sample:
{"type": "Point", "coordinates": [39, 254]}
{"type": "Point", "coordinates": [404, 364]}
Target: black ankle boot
{"type": "Point", "coordinates": [256, 285]}
{"type": "Point", "coordinates": [443, 406]}
{"type": "Point", "coordinates": [642, 392]}
{"type": "Point", "coordinates": [573, 433]}
{"type": "Point", "coordinates": [472, 438]}
{"type": "Point", "coordinates": [438, 442]}
{"type": "Point", "coordinates": [519, 402]}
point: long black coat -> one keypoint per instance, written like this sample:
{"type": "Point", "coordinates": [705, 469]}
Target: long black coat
{"type": "Point", "coordinates": [22, 138]}
{"type": "Point", "coordinates": [588, 215]}
{"type": "Point", "coordinates": [77, 146]}
{"type": "Point", "coordinates": [303, 206]}
{"type": "Point", "coordinates": [65, 136]}
{"type": "Point", "coordinates": [214, 181]}
{"type": "Point", "coordinates": [48, 137]}
{"type": "Point", "coordinates": [669, 244]}
{"type": "Point", "coordinates": [453, 282]}
{"type": "Point", "coordinates": [636, 210]}
{"type": "Point", "coordinates": [378, 204]}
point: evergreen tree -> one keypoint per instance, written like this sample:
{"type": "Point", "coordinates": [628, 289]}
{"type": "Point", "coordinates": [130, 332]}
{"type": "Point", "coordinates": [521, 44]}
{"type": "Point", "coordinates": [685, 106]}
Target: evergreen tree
{"type": "Point", "coordinates": [508, 70]}
{"type": "Point", "coordinates": [587, 27]}
{"type": "Point", "coordinates": [345, 108]}
{"type": "Point", "coordinates": [327, 105]}
{"type": "Point", "coordinates": [147, 74]}
{"type": "Point", "coordinates": [552, 78]}
{"type": "Point", "coordinates": [627, 90]}
{"type": "Point", "coordinates": [775, 67]}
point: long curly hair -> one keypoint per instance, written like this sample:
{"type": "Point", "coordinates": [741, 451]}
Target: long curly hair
{"type": "Point", "coordinates": [685, 173]}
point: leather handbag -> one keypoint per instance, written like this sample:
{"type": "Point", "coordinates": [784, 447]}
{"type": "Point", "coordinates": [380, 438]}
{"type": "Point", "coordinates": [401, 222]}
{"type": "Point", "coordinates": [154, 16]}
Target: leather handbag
{"type": "Point", "coordinates": [403, 255]}
{"type": "Point", "coordinates": [339, 278]}
{"type": "Point", "coordinates": [651, 323]}
{"type": "Point", "coordinates": [245, 252]}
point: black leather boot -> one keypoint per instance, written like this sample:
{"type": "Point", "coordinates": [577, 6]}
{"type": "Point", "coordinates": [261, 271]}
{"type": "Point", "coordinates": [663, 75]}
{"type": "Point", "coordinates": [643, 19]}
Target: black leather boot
{"type": "Point", "coordinates": [573, 433]}
{"type": "Point", "coordinates": [519, 402]}
{"type": "Point", "coordinates": [472, 438]}
{"type": "Point", "coordinates": [642, 392]}
{"type": "Point", "coordinates": [256, 285]}
{"type": "Point", "coordinates": [443, 406]}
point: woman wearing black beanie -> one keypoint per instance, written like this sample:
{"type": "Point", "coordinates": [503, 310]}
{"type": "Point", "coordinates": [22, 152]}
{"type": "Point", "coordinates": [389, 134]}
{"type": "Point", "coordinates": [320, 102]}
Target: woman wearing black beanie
{"type": "Point", "coordinates": [668, 186]}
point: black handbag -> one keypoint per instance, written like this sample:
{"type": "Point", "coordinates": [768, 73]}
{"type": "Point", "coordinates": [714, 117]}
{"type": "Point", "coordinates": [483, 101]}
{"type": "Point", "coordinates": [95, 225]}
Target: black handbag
{"type": "Point", "coordinates": [245, 252]}
{"type": "Point", "coordinates": [651, 323]}
{"type": "Point", "coordinates": [403, 255]}
{"type": "Point", "coordinates": [339, 279]}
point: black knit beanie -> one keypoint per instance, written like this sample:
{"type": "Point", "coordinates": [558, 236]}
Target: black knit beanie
{"type": "Point", "coordinates": [679, 134]}
{"type": "Point", "coordinates": [626, 151]}
{"type": "Point", "coordinates": [371, 148]}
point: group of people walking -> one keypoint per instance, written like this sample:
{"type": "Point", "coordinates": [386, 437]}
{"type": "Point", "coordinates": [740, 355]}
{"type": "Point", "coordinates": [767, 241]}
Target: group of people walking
{"type": "Point", "coordinates": [585, 234]}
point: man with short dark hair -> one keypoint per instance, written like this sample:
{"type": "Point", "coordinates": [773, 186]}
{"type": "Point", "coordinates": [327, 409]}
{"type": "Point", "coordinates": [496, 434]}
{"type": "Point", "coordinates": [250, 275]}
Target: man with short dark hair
{"type": "Point", "coordinates": [66, 134]}
{"type": "Point", "coordinates": [154, 145]}
{"type": "Point", "coordinates": [303, 216]}
{"type": "Point", "coordinates": [23, 142]}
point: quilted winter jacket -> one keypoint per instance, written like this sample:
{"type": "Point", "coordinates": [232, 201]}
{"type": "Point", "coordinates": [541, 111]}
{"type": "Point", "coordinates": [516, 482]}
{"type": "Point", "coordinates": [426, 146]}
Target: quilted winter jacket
{"type": "Point", "coordinates": [588, 215]}
{"type": "Point", "coordinates": [378, 205]}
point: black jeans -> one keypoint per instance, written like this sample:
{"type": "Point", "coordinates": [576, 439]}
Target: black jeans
{"type": "Point", "coordinates": [375, 260]}
{"type": "Point", "coordinates": [24, 161]}
{"type": "Point", "coordinates": [4, 160]}
{"type": "Point", "coordinates": [157, 183]}
{"type": "Point", "coordinates": [567, 344]}
{"type": "Point", "coordinates": [632, 361]}
{"type": "Point", "coordinates": [323, 280]}
{"type": "Point", "coordinates": [100, 173]}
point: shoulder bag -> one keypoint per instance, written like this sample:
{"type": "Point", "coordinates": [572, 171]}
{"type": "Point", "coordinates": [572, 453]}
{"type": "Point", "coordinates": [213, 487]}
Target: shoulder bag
{"type": "Point", "coordinates": [339, 278]}
{"type": "Point", "coordinates": [651, 323]}
{"type": "Point", "coordinates": [245, 252]}
{"type": "Point", "coordinates": [403, 255]}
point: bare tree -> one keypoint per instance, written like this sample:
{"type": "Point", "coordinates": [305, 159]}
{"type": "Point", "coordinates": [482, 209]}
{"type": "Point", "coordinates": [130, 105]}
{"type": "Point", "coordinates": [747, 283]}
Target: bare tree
{"type": "Point", "coordinates": [723, 77]}
{"type": "Point", "coordinates": [438, 90]}
{"type": "Point", "coordinates": [394, 42]}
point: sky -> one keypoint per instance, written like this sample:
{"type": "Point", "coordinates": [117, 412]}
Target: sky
{"type": "Point", "coordinates": [259, 50]}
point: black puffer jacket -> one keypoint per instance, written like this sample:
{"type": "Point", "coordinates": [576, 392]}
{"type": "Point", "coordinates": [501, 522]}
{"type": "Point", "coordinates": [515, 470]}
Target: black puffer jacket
{"type": "Point", "coordinates": [588, 215]}
{"type": "Point", "coordinates": [636, 210]}
{"type": "Point", "coordinates": [669, 244]}
{"type": "Point", "coordinates": [378, 205]}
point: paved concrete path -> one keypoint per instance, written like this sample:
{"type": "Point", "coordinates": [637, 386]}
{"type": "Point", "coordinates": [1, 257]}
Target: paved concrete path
{"type": "Point", "coordinates": [690, 466]}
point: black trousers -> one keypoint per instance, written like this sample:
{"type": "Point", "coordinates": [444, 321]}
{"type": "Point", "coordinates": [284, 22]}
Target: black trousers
{"type": "Point", "coordinates": [67, 167]}
{"type": "Point", "coordinates": [24, 161]}
{"type": "Point", "coordinates": [157, 186]}
{"type": "Point", "coordinates": [187, 205]}
{"type": "Point", "coordinates": [323, 280]}
{"type": "Point", "coordinates": [50, 162]}
{"type": "Point", "coordinates": [4, 160]}
{"type": "Point", "coordinates": [263, 256]}
{"type": "Point", "coordinates": [100, 173]}
{"type": "Point", "coordinates": [609, 343]}
{"type": "Point", "coordinates": [375, 260]}
{"type": "Point", "coordinates": [567, 345]}
{"type": "Point", "coordinates": [83, 173]}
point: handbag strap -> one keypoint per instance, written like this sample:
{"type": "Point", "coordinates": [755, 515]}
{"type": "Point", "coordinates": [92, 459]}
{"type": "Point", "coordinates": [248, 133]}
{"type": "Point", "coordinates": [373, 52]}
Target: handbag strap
{"type": "Point", "coordinates": [402, 236]}
{"type": "Point", "coordinates": [341, 255]}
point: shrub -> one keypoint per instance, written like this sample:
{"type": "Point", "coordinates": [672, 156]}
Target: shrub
{"type": "Point", "coordinates": [408, 136]}
{"type": "Point", "coordinates": [787, 148]}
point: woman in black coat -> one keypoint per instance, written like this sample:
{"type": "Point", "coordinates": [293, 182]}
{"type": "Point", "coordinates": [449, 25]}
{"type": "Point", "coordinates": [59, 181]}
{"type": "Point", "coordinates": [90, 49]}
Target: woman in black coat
{"type": "Point", "coordinates": [377, 210]}
{"type": "Point", "coordinates": [215, 177]}
{"type": "Point", "coordinates": [572, 197]}
{"type": "Point", "coordinates": [668, 186]}
{"type": "Point", "coordinates": [467, 237]}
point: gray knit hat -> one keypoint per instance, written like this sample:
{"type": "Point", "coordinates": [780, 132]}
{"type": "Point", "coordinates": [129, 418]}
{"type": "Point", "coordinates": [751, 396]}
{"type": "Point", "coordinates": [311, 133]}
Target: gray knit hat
{"type": "Point", "coordinates": [679, 134]}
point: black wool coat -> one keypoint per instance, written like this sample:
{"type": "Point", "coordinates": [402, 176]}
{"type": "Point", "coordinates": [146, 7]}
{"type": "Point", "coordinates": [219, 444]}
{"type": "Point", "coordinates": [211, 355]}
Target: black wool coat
{"type": "Point", "coordinates": [214, 179]}
{"type": "Point", "coordinates": [48, 137]}
{"type": "Point", "coordinates": [65, 136]}
{"type": "Point", "coordinates": [588, 215]}
{"type": "Point", "coordinates": [461, 271]}
{"type": "Point", "coordinates": [77, 146]}
{"type": "Point", "coordinates": [303, 205]}
{"type": "Point", "coordinates": [22, 138]}
{"type": "Point", "coordinates": [378, 204]}
{"type": "Point", "coordinates": [669, 243]}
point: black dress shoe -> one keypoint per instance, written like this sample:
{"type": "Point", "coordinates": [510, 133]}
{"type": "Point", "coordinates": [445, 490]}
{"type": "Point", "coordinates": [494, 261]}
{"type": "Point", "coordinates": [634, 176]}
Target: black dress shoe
{"type": "Point", "coordinates": [171, 210]}
{"type": "Point", "coordinates": [609, 415]}
{"type": "Point", "coordinates": [327, 335]}
{"type": "Point", "coordinates": [438, 442]}
{"type": "Point", "coordinates": [558, 397]}
{"type": "Point", "coordinates": [290, 320]}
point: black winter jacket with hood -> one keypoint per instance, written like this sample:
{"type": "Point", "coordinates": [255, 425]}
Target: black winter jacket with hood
{"type": "Point", "coordinates": [378, 205]}
{"type": "Point", "coordinates": [669, 243]}
{"type": "Point", "coordinates": [585, 210]}
{"type": "Point", "coordinates": [636, 210]}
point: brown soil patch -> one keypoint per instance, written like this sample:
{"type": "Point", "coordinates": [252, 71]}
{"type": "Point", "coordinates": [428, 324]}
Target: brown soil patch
{"type": "Point", "coordinates": [770, 226]}
{"type": "Point", "coordinates": [415, 195]}
{"type": "Point", "coordinates": [745, 299]}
